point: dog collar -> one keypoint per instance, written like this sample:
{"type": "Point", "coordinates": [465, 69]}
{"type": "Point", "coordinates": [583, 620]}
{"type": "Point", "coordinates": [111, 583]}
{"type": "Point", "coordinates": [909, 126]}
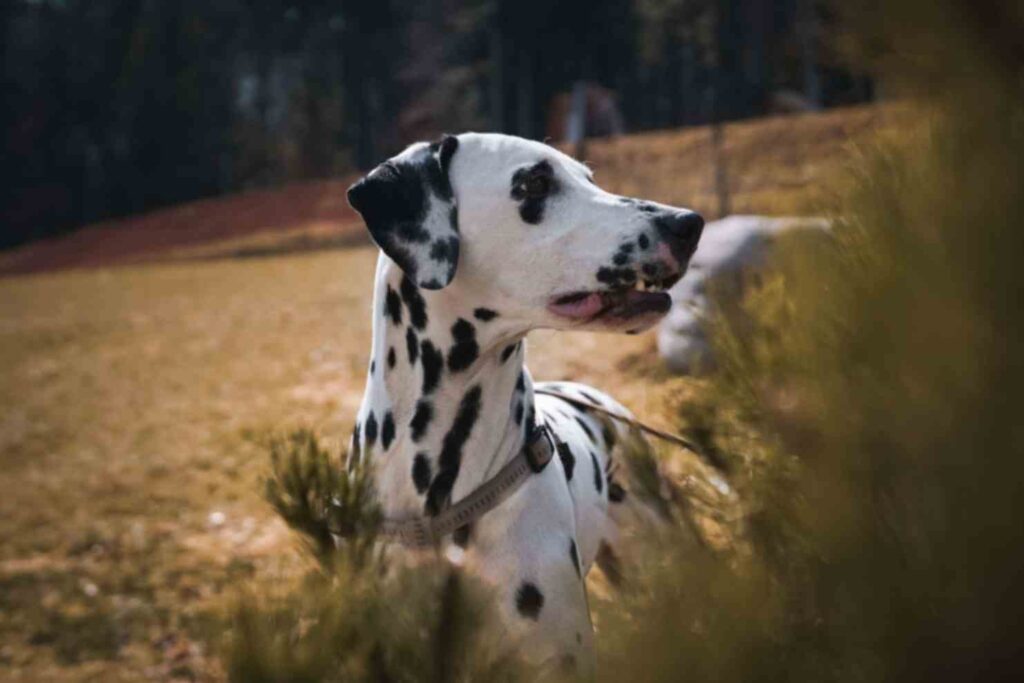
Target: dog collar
{"type": "Point", "coordinates": [424, 532]}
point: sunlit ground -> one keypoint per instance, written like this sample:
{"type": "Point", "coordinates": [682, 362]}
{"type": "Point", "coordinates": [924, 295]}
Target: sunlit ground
{"type": "Point", "coordinates": [132, 410]}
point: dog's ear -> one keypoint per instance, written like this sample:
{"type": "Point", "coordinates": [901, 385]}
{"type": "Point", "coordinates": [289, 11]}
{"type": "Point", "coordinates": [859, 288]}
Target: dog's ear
{"type": "Point", "coordinates": [409, 208]}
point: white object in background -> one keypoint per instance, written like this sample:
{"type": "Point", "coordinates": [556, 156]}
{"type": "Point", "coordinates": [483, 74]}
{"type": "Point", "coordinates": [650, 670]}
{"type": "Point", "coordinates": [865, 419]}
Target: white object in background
{"type": "Point", "coordinates": [729, 244]}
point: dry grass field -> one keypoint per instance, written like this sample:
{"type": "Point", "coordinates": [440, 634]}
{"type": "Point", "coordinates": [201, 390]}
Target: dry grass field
{"type": "Point", "coordinates": [136, 402]}
{"type": "Point", "coordinates": [132, 411]}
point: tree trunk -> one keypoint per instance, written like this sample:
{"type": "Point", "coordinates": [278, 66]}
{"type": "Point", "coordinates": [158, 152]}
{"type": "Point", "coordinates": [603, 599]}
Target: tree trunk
{"type": "Point", "coordinates": [524, 96]}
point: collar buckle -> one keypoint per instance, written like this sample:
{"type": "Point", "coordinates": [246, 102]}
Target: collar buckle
{"type": "Point", "coordinates": [540, 450]}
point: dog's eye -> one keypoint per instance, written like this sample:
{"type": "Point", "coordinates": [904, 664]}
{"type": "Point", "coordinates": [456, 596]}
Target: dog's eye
{"type": "Point", "coordinates": [536, 186]}
{"type": "Point", "coordinates": [534, 182]}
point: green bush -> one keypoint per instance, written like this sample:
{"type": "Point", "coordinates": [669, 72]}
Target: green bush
{"type": "Point", "coordinates": [868, 404]}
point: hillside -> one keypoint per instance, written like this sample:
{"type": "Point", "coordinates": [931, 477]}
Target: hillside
{"type": "Point", "coordinates": [309, 212]}
{"type": "Point", "coordinates": [773, 166]}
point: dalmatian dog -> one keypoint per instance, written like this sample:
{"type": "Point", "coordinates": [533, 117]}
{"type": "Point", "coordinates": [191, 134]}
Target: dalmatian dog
{"type": "Point", "coordinates": [484, 237]}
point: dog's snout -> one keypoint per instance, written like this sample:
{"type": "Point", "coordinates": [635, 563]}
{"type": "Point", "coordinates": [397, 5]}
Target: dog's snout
{"type": "Point", "coordinates": [681, 230]}
{"type": "Point", "coordinates": [685, 225]}
{"type": "Point", "coordinates": [693, 223]}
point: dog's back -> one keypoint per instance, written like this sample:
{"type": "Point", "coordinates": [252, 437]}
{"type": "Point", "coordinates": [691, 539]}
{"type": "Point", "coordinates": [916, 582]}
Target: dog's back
{"type": "Point", "coordinates": [589, 446]}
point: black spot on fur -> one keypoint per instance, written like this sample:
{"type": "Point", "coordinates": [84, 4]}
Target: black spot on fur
{"type": "Point", "coordinates": [391, 357]}
{"type": "Point", "coordinates": [598, 476]}
{"type": "Point", "coordinates": [507, 352]}
{"type": "Point", "coordinates": [387, 431]}
{"type": "Point", "coordinates": [445, 250]}
{"type": "Point", "coordinates": [639, 204]}
{"type": "Point", "coordinates": [433, 361]}
{"type": "Point", "coordinates": [532, 211]}
{"type": "Point", "coordinates": [421, 419]}
{"type": "Point", "coordinates": [616, 277]}
{"type": "Point", "coordinates": [370, 431]}
{"type": "Point", "coordinates": [450, 459]}
{"type": "Point", "coordinates": [415, 302]}
{"type": "Point", "coordinates": [585, 428]}
{"type": "Point", "coordinates": [643, 241]}
{"type": "Point", "coordinates": [460, 536]}
{"type": "Point", "coordinates": [531, 205]}
{"type": "Point", "coordinates": [590, 397]}
{"type": "Point", "coordinates": [393, 306]}
{"type": "Point", "coordinates": [519, 414]}
{"type": "Point", "coordinates": [465, 350]}
{"type": "Point", "coordinates": [531, 424]}
{"type": "Point", "coordinates": [485, 314]}
{"type": "Point", "coordinates": [575, 557]}
{"type": "Point", "coordinates": [529, 600]}
{"type": "Point", "coordinates": [463, 330]}
{"type": "Point", "coordinates": [622, 255]}
{"type": "Point", "coordinates": [421, 472]}
{"type": "Point", "coordinates": [567, 458]}
{"type": "Point", "coordinates": [521, 382]}
{"type": "Point", "coordinates": [616, 493]}
{"type": "Point", "coordinates": [373, 365]}
{"type": "Point", "coordinates": [412, 345]}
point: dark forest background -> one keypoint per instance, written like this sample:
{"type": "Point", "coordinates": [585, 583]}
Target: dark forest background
{"type": "Point", "coordinates": [116, 106]}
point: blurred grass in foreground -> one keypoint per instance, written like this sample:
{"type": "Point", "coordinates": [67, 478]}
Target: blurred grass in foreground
{"type": "Point", "coordinates": [358, 616]}
{"type": "Point", "coordinates": [868, 403]}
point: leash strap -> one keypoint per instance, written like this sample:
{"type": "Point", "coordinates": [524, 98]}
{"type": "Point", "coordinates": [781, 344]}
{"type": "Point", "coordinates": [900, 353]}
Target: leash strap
{"type": "Point", "coordinates": [632, 422]}
{"type": "Point", "coordinates": [423, 532]}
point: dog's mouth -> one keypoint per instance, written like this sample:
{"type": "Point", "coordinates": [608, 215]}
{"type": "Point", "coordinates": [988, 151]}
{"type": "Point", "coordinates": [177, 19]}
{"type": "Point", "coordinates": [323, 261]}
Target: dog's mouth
{"type": "Point", "coordinates": [617, 305]}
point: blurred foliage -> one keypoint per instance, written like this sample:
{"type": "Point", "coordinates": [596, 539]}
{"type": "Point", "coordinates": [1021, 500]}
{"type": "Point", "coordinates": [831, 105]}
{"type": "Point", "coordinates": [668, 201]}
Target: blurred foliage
{"type": "Point", "coordinates": [316, 495]}
{"type": "Point", "coordinates": [868, 400]}
{"type": "Point", "coordinates": [422, 624]}
{"type": "Point", "coordinates": [359, 616]}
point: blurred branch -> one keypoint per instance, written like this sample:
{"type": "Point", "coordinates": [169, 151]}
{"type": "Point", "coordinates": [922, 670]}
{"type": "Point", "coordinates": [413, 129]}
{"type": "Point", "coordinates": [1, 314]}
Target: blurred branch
{"type": "Point", "coordinates": [319, 498]}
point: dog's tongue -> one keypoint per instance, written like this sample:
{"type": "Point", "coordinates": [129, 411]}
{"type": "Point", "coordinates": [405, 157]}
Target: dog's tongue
{"type": "Point", "coordinates": [586, 307]}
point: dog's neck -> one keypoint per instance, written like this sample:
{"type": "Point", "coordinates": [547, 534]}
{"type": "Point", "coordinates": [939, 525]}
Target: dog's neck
{"type": "Point", "coordinates": [448, 400]}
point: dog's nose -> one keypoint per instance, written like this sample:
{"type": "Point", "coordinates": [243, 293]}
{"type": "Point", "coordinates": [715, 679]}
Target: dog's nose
{"type": "Point", "coordinates": [685, 224]}
{"type": "Point", "coordinates": [682, 227]}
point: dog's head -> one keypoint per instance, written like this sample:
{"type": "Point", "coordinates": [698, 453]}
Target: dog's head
{"type": "Point", "coordinates": [518, 227]}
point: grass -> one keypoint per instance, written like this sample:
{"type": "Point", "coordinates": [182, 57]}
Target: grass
{"type": "Point", "coordinates": [134, 418]}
